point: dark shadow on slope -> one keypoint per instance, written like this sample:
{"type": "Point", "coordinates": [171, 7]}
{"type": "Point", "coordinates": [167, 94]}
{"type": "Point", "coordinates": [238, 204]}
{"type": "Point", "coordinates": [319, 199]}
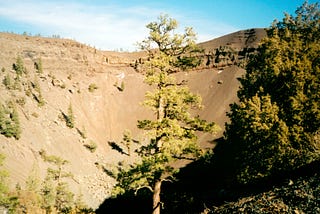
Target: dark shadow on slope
{"type": "Point", "coordinates": [127, 203]}
{"type": "Point", "coordinates": [298, 195]}
{"type": "Point", "coordinates": [196, 184]}
{"type": "Point", "coordinates": [116, 147]}
{"type": "Point", "coordinates": [211, 181]}
{"type": "Point", "coordinates": [199, 183]}
{"type": "Point", "coordinates": [187, 195]}
{"type": "Point", "coordinates": [208, 182]}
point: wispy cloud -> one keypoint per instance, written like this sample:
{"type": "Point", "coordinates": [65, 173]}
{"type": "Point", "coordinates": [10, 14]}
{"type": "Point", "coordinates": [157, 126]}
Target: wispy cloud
{"type": "Point", "coordinates": [106, 27]}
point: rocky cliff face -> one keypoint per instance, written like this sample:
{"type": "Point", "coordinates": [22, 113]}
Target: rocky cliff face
{"type": "Point", "coordinates": [232, 49]}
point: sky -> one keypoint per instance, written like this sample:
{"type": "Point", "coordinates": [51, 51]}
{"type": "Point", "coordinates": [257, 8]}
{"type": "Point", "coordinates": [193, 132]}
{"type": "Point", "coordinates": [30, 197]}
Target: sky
{"type": "Point", "coordinates": [120, 24]}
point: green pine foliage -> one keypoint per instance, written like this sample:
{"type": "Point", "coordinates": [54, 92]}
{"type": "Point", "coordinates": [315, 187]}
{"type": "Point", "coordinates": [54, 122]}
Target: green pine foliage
{"type": "Point", "coordinates": [10, 83]}
{"type": "Point", "coordinates": [55, 192]}
{"type": "Point", "coordinates": [92, 87]}
{"type": "Point", "coordinates": [38, 66]}
{"type": "Point", "coordinates": [3, 183]}
{"type": "Point", "coordinates": [33, 180]}
{"type": "Point", "coordinates": [9, 121]}
{"type": "Point", "coordinates": [29, 199]}
{"type": "Point", "coordinates": [80, 206]}
{"type": "Point", "coordinates": [82, 132]}
{"type": "Point", "coordinates": [15, 128]}
{"type": "Point", "coordinates": [7, 200]}
{"type": "Point", "coordinates": [92, 146]}
{"type": "Point", "coordinates": [19, 67]}
{"type": "Point", "coordinates": [171, 135]}
{"type": "Point", "coordinates": [127, 141]}
{"type": "Point", "coordinates": [122, 86]}
{"type": "Point", "coordinates": [276, 124]}
{"type": "Point", "coordinates": [52, 195]}
{"type": "Point", "coordinates": [48, 193]}
{"type": "Point", "coordinates": [64, 198]}
{"type": "Point", "coordinates": [264, 147]}
{"type": "Point", "coordinates": [7, 82]}
{"type": "Point", "coordinates": [70, 117]}
{"type": "Point", "coordinates": [37, 94]}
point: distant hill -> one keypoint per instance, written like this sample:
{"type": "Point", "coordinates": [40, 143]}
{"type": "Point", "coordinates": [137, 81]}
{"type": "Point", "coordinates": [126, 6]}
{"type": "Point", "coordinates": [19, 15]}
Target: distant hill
{"type": "Point", "coordinates": [238, 40]}
{"type": "Point", "coordinates": [89, 80]}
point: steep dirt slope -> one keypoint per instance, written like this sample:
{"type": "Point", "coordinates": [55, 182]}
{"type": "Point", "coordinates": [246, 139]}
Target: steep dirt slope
{"type": "Point", "coordinates": [218, 88]}
{"type": "Point", "coordinates": [249, 38]}
{"type": "Point", "coordinates": [68, 70]}
{"type": "Point", "coordinates": [103, 114]}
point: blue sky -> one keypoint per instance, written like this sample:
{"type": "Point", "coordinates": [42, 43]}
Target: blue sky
{"type": "Point", "coordinates": [119, 24]}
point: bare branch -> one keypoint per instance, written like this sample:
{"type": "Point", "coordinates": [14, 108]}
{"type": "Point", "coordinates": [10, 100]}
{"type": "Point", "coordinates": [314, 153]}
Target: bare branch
{"type": "Point", "coordinates": [141, 187]}
{"type": "Point", "coordinates": [169, 179]}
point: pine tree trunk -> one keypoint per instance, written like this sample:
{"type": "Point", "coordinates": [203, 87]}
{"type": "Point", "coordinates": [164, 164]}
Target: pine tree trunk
{"type": "Point", "coordinates": [156, 197]}
{"type": "Point", "coordinates": [160, 117]}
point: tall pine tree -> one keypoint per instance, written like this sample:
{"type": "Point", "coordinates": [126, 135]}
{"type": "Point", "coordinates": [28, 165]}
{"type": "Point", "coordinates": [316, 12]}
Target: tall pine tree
{"type": "Point", "coordinates": [171, 135]}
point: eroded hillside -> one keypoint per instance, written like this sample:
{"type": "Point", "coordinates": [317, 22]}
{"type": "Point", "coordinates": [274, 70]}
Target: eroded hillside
{"type": "Point", "coordinates": [104, 92]}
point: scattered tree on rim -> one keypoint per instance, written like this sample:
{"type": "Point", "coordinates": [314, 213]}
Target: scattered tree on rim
{"type": "Point", "coordinates": [276, 125]}
{"type": "Point", "coordinates": [172, 134]}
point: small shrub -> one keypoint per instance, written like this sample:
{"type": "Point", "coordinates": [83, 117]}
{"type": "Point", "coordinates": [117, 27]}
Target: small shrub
{"type": "Point", "coordinates": [19, 66]}
{"type": "Point", "coordinates": [37, 95]}
{"type": "Point", "coordinates": [121, 87]}
{"type": "Point", "coordinates": [35, 84]}
{"type": "Point", "coordinates": [83, 132]}
{"type": "Point", "coordinates": [69, 118]}
{"type": "Point", "coordinates": [35, 114]}
{"type": "Point", "coordinates": [38, 66]}
{"type": "Point", "coordinates": [28, 89]}
{"type": "Point", "coordinates": [9, 121]}
{"type": "Point", "coordinates": [52, 76]}
{"type": "Point", "coordinates": [21, 101]}
{"type": "Point", "coordinates": [92, 146]}
{"type": "Point", "coordinates": [17, 84]}
{"type": "Point", "coordinates": [92, 87]}
{"type": "Point", "coordinates": [7, 82]}
{"type": "Point", "coordinates": [39, 99]}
